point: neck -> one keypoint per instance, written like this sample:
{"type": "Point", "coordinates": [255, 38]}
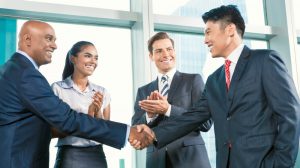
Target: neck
{"type": "Point", "coordinates": [80, 81]}
{"type": "Point", "coordinates": [235, 43]}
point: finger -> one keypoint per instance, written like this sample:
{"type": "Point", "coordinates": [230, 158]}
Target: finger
{"type": "Point", "coordinates": [139, 128]}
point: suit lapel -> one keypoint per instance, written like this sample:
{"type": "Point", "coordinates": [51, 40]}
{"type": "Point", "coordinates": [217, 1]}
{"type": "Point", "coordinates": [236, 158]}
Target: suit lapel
{"type": "Point", "coordinates": [222, 86]}
{"type": "Point", "coordinates": [238, 72]}
{"type": "Point", "coordinates": [153, 86]}
{"type": "Point", "coordinates": [177, 78]}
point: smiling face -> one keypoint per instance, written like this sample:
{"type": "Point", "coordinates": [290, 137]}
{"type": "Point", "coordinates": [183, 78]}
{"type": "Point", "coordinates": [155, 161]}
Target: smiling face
{"type": "Point", "coordinates": [37, 39]}
{"type": "Point", "coordinates": [219, 38]}
{"type": "Point", "coordinates": [86, 61]}
{"type": "Point", "coordinates": [163, 55]}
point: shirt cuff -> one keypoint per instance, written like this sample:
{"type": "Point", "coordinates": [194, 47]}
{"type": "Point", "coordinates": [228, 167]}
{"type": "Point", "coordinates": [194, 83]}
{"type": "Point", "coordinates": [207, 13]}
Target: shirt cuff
{"type": "Point", "coordinates": [168, 113]}
{"type": "Point", "coordinates": [127, 135]}
{"type": "Point", "coordinates": [148, 119]}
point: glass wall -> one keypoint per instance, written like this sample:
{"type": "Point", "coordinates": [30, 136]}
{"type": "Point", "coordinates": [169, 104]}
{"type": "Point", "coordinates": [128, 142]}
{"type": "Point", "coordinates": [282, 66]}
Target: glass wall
{"type": "Point", "coordinates": [252, 11]}
{"type": "Point", "coordinates": [105, 4]}
{"type": "Point", "coordinates": [114, 72]}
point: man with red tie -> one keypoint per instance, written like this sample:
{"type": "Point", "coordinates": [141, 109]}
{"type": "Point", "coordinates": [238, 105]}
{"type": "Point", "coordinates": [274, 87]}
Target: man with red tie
{"type": "Point", "coordinates": [251, 99]}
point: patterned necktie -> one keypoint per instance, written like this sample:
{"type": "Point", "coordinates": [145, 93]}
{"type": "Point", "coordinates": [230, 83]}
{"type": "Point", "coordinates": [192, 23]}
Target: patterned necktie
{"type": "Point", "coordinates": [227, 73]}
{"type": "Point", "coordinates": [165, 86]}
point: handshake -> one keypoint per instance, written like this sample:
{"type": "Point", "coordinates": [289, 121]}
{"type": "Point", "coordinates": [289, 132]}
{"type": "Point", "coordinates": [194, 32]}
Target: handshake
{"type": "Point", "coordinates": [141, 136]}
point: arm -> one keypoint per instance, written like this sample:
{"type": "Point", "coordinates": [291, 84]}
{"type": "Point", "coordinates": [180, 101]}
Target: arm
{"type": "Point", "coordinates": [38, 97]}
{"type": "Point", "coordinates": [283, 99]}
{"type": "Point", "coordinates": [198, 87]}
{"type": "Point", "coordinates": [106, 112]}
{"type": "Point", "coordinates": [182, 125]}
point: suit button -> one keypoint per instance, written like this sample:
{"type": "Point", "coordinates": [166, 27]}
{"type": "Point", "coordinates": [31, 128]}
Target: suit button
{"type": "Point", "coordinates": [228, 118]}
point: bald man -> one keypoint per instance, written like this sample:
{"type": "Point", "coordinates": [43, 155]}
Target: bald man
{"type": "Point", "coordinates": [28, 107]}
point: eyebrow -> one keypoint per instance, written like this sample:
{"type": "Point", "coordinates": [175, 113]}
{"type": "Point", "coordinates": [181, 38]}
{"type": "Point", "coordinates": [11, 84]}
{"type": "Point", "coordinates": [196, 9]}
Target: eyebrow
{"type": "Point", "coordinates": [87, 53]}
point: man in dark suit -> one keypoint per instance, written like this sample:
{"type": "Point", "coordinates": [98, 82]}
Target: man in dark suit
{"type": "Point", "coordinates": [182, 91]}
{"type": "Point", "coordinates": [251, 99]}
{"type": "Point", "coordinates": [28, 107]}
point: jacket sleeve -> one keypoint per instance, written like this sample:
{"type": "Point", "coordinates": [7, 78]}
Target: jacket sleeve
{"type": "Point", "coordinates": [37, 96]}
{"type": "Point", "coordinates": [139, 116]}
{"type": "Point", "coordinates": [282, 96]}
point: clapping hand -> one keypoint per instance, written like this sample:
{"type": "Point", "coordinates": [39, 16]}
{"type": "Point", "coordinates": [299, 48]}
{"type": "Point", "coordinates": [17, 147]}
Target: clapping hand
{"type": "Point", "coordinates": [141, 136]}
{"type": "Point", "coordinates": [155, 104]}
{"type": "Point", "coordinates": [95, 106]}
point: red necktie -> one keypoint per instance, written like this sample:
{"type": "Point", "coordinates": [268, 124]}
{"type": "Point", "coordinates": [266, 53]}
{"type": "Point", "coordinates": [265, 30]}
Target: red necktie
{"type": "Point", "coordinates": [227, 73]}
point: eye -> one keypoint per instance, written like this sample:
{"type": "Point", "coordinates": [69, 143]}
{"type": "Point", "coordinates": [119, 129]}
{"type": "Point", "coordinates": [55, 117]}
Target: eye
{"type": "Point", "coordinates": [87, 55]}
{"type": "Point", "coordinates": [169, 49]}
{"type": "Point", "coordinates": [158, 51]}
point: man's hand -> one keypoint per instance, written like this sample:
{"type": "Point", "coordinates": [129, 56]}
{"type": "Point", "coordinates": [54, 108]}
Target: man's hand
{"type": "Point", "coordinates": [95, 106]}
{"type": "Point", "coordinates": [155, 104]}
{"type": "Point", "coordinates": [141, 136]}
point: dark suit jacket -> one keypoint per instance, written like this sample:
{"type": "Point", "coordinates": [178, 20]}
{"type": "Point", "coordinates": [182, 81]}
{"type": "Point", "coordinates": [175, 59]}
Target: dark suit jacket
{"type": "Point", "coordinates": [28, 108]}
{"type": "Point", "coordinates": [188, 151]}
{"type": "Point", "coordinates": [258, 117]}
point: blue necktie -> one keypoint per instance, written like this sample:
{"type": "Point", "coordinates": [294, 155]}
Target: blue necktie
{"type": "Point", "coordinates": [165, 86]}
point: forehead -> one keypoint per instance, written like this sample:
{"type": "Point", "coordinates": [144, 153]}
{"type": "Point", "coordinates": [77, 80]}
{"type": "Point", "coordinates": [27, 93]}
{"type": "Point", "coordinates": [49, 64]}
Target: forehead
{"type": "Point", "coordinates": [89, 49]}
{"type": "Point", "coordinates": [162, 43]}
{"type": "Point", "coordinates": [47, 30]}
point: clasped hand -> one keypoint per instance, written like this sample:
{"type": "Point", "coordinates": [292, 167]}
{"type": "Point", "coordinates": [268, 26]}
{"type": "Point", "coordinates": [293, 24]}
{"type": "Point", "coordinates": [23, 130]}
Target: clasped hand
{"type": "Point", "coordinates": [95, 106]}
{"type": "Point", "coordinates": [141, 136]}
{"type": "Point", "coordinates": [155, 104]}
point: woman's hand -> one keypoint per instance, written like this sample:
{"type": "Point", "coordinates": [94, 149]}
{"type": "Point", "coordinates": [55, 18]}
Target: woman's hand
{"type": "Point", "coordinates": [95, 106]}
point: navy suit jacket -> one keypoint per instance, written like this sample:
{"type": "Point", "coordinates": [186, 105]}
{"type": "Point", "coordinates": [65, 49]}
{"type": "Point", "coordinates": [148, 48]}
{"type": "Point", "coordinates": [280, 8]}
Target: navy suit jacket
{"type": "Point", "coordinates": [188, 151]}
{"type": "Point", "coordinates": [258, 117]}
{"type": "Point", "coordinates": [28, 108]}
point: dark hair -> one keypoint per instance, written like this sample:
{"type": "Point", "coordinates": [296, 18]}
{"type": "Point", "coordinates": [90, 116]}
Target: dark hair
{"type": "Point", "coordinates": [226, 14]}
{"type": "Point", "coordinates": [76, 48]}
{"type": "Point", "coordinates": [158, 36]}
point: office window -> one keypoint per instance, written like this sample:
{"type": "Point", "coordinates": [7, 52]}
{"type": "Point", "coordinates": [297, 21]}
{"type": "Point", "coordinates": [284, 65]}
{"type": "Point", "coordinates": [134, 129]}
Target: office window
{"type": "Point", "coordinates": [193, 56]}
{"type": "Point", "coordinates": [105, 4]}
{"type": "Point", "coordinates": [114, 72]}
{"type": "Point", "coordinates": [296, 5]}
{"type": "Point", "coordinates": [252, 11]}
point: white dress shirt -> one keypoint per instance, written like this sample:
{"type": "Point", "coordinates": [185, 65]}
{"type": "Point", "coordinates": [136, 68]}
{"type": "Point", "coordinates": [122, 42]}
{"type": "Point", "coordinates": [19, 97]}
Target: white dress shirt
{"type": "Point", "coordinates": [78, 100]}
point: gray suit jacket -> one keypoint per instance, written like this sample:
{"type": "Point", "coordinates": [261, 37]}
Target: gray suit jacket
{"type": "Point", "coordinates": [188, 151]}
{"type": "Point", "coordinates": [258, 117]}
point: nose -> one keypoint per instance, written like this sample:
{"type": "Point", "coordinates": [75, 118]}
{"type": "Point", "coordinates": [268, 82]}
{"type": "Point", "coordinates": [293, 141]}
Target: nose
{"type": "Point", "coordinates": [165, 53]}
{"type": "Point", "coordinates": [53, 46]}
{"type": "Point", "coordinates": [205, 40]}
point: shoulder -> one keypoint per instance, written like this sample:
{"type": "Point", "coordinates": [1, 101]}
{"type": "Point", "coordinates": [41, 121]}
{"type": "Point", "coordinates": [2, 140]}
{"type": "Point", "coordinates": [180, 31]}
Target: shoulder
{"type": "Point", "coordinates": [191, 77]}
{"type": "Point", "coordinates": [99, 88]}
{"type": "Point", "coordinates": [216, 73]}
{"type": "Point", "coordinates": [149, 85]}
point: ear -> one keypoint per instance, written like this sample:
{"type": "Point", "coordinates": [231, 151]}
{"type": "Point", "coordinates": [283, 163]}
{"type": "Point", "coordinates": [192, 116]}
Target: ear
{"type": "Point", "coordinates": [151, 56]}
{"type": "Point", "coordinates": [231, 29]}
{"type": "Point", "coordinates": [73, 59]}
{"type": "Point", "coordinates": [27, 39]}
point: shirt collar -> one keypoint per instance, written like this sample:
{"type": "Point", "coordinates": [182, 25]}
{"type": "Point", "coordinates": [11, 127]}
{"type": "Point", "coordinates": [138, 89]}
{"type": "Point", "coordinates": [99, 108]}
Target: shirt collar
{"type": "Point", "coordinates": [235, 54]}
{"type": "Point", "coordinates": [28, 57]}
{"type": "Point", "coordinates": [170, 74]}
{"type": "Point", "coordinates": [69, 83]}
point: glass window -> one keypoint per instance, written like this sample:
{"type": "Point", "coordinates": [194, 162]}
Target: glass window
{"type": "Point", "coordinates": [105, 4]}
{"type": "Point", "coordinates": [296, 5]}
{"type": "Point", "coordinates": [114, 55]}
{"type": "Point", "coordinates": [252, 11]}
{"type": "Point", "coordinates": [193, 57]}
